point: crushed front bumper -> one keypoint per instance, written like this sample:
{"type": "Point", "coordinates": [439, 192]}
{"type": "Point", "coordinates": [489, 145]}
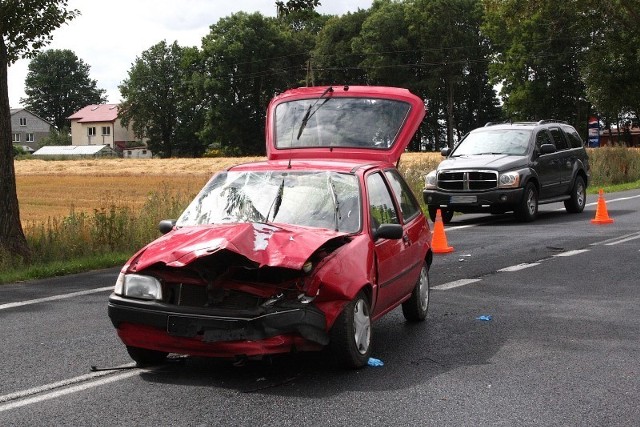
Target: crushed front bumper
{"type": "Point", "coordinates": [192, 330]}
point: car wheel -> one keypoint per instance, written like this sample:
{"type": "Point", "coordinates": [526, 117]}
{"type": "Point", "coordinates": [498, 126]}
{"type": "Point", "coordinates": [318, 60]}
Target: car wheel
{"type": "Point", "coordinates": [528, 208]}
{"type": "Point", "coordinates": [145, 357]}
{"type": "Point", "coordinates": [447, 214]}
{"type": "Point", "coordinates": [578, 197]}
{"type": "Point", "coordinates": [350, 343]}
{"type": "Point", "coordinates": [415, 308]}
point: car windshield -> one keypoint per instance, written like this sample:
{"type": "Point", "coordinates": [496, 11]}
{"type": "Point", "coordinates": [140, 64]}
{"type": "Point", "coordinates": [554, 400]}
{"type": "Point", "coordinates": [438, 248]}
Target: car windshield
{"type": "Point", "coordinates": [339, 122]}
{"type": "Point", "coordinates": [514, 142]}
{"type": "Point", "coordinates": [298, 198]}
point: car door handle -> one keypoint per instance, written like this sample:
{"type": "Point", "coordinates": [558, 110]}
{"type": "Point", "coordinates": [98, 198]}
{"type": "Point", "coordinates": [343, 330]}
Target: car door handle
{"type": "Point", "coordinates": [406, 240]}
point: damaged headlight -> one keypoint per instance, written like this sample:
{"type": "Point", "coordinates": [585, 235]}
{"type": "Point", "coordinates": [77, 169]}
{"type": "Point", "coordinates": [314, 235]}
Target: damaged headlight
{"type": "Point", "coordinates": [138, 286]}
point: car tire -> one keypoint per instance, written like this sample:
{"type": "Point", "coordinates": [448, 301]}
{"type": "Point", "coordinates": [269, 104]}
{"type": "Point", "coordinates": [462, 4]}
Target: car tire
{"type": "Point", "coordinates": [578, 197]}
{"type": "Point", "coordinates": [527, 210]}
{"type": "Point", "coordinates": [415, 308]}
{"type": "Point", "coordinates": [350, 344]}
{"type": "Point", "coordinates": [447, 214]}
{"type": "Point", "coordinates": [145, 357]}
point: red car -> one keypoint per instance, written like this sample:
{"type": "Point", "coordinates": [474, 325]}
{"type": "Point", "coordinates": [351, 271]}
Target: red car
{"type": "Point", "coordinates": [300, 252]}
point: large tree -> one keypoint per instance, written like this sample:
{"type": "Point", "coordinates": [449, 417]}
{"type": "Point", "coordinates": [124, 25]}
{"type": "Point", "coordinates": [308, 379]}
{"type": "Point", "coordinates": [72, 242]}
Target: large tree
{"type": "Point", "coordinates": [58, 85]}
{"type": "Point", "coordinates": [25, 27]}
{"type": "Point", "coordinates": [248, 58]}
{"type": "Point", "coordinates": [159, 100]}
{"type": "Point", "coordinates": [539, 47]}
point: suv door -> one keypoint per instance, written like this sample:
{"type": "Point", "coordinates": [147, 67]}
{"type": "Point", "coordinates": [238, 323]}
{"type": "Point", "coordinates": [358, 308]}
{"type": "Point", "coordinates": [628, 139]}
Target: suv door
{"type": "Point", "coordinates": [566, 159]}
{"type": "Point", "coordinates": [547, 166]}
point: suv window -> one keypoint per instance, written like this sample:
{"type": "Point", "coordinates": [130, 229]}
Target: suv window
{"type": "Point", "coordinates": [543, 138]}
{"type": "Point", "coordinates": [558, 138]}
{"type": "Point", "coordinates": [574, 139]}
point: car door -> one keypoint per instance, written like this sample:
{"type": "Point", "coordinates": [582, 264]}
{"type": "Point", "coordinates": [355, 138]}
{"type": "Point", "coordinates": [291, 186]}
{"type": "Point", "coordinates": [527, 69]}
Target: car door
{"type": "Point", "coordinates": [547, 167]}
{"type": "Point", "coordinates": [392, 256]}
{"type": "Point", "coordinates": [566, 158]}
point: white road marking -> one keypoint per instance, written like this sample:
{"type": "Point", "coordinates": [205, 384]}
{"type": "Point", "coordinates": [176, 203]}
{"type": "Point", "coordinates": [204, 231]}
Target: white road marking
{"type": "Point", "coordinates": [519, 267]}
{"type": "Point", "coordinates": [623, 239]}
{"type": "Point", "coordinates": [54, 298]}
{"type": "Point", "coordinates": [456, 284]}
{"type": "Point", "coordinates": [572, 253]}
{"type": "Point", "coordinates": [83, 382]}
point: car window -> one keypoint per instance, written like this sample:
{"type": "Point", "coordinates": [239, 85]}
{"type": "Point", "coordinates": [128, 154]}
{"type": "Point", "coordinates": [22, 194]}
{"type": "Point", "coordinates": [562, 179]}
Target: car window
{"type": "Point", "coordinates": [558, 139]}
{"type": "Point", "coordinates": [381, 207]}
{"type": "Point", "coordinates": [543, 137]}
{"type": "Point", "coordinates": [574, 139]}
{"type": "Point", "coordinates": [408, 205]}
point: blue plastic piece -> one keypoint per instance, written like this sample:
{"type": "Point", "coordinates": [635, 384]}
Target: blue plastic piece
{"type": "Point", "coordinates": [375, 362]}
{"type": "Point", "coordinates": [484, 317]}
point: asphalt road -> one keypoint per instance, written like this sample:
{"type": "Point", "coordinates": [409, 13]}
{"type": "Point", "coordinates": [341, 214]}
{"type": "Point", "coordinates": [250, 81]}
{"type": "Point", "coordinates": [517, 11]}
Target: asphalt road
{"type": "Point", "coordinates": [561, 346]}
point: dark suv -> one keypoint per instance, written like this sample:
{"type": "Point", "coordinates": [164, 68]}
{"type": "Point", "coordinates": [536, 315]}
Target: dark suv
{"type": "Point", "coordinates": [510, 167]}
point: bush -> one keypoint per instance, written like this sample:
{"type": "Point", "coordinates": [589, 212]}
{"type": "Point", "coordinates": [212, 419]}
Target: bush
{"type": "Point", "coordinates": [614, 165]}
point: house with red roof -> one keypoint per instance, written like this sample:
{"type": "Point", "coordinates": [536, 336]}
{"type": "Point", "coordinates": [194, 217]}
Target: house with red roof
{"type": "Point", "coordinates": [100, 125]}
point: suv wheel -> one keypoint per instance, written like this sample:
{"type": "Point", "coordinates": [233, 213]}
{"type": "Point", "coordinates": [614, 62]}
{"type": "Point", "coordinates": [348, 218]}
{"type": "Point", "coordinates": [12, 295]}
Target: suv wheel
{"type": "Point", "coordinates": [447, 214]}
{"type": "Point", "coordinates": [578, 197]}
{"type": "Point", "coordinates": [528, 208]}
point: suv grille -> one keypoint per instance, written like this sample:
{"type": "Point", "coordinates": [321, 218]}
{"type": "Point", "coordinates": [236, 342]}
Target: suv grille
{"type": "Point", "coordinates": [467, 180]}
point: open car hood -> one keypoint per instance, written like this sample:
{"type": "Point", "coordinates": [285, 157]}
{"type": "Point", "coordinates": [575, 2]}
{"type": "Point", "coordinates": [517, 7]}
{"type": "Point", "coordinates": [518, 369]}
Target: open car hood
{"type": "Point", "coordinates": [265, 244]}
{"type": "Point", "coordinates": [343, 122]}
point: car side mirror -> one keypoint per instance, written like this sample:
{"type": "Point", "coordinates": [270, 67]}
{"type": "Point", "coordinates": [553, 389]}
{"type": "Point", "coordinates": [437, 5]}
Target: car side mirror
{"type": "Point", "coordinates": [166, 225]}
{"type": "Point", "coordinates": [547, 149]}
{"type": "Point", "coordinates": [389, 231]}
{"type": "Point", "coordinates": [445, 151]}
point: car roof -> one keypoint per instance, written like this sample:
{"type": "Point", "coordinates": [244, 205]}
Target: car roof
{"type": "Point", "coordinates": [391, 154]}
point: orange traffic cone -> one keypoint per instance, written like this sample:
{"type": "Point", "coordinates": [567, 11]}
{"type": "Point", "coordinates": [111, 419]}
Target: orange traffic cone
{"type": "Point", "coordinates": [602, 216]}
{"type": "Point", "coordinates": [439, 243]}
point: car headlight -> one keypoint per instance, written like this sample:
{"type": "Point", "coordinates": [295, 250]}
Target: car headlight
{"type": "Point", "coordinates": [138, 286]}
{"type": "Point", "coordinates": [431, 180]}
{"type": "Point", "coordinates": [509, 180]}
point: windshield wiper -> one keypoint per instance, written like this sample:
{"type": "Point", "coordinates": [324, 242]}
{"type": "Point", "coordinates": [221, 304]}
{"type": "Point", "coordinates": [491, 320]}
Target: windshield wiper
{"type": "Point", "coordinates": [308, 114]}
{"type": "Point", "coordinates": [336, 203]}
{"type": "Point", "coordinates": [275, 205]}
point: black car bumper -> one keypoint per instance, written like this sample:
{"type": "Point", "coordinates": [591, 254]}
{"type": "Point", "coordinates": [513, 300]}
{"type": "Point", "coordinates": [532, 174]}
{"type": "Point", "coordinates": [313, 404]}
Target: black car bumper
{"type": "Point", "coordinates": [221, 325]}
{"type": "Point", "coordinates": [499, 200]}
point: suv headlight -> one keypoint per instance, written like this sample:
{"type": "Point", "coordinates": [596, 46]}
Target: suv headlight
{"type": "Point", "coordinates": [431, 180]}
{"type": "Point", "coordinates": [138, 286]}
{"type": "Point", "coordinates": [509, 180]}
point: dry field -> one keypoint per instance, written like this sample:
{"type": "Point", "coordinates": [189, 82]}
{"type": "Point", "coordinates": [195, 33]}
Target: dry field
{"type": "Point", "coordinates": [53, 188]}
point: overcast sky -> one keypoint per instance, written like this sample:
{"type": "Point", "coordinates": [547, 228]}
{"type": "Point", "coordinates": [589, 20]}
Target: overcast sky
{"type": "Point", "coordinates": [108, 36]}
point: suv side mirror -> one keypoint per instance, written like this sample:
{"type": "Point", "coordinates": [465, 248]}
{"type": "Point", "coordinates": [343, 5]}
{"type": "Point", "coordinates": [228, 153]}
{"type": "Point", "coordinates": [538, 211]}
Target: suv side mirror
{"type": "Point", "coordinates": [547, 149]}
{"type": "Point", "coordinates": [445, 151]}
{"type": "Point", "coordinates": [389, 231]}
{"type": "Point", "coordinates": [166, 225]}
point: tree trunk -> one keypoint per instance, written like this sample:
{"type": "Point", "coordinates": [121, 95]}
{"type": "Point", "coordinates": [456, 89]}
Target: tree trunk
{"type": "Point", "coordinates": [11, 235]}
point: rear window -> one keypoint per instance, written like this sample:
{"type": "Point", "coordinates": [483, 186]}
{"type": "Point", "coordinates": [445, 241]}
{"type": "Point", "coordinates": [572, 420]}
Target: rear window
{"type": "Point", "coordinates": [574, 139]}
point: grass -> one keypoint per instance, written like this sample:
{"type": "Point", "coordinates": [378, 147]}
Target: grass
{"type": "Point", "coordinates": [80, 215]}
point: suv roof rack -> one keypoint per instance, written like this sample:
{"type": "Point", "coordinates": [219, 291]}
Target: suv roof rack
{"type": "Point", "coordinates": [542, 122]}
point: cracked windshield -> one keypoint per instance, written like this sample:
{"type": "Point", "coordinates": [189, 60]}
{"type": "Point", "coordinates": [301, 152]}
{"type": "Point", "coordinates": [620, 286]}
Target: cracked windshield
{"type": "Point", "coordinates": [339, 122]}
{"type": "Point", "coordinates": [315, 199]}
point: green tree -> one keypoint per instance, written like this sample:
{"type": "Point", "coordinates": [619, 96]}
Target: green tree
{"type": "Point", "coordinates": [333, 58]}
{"type": "Point", "coordinates": [58, 85]}
{"type": "Point", "coordinates": [538, 50]}
{"type": "Point", "coordinates": [248, 58]}
{"type": "Point", "coordinates": [25, 27]}
{"type": "Point", "coordinates": [611, 68]}
{"type": "Point", "coordinates": [159, 101]}
{"type": "Point", "coordinates": [56, 137]}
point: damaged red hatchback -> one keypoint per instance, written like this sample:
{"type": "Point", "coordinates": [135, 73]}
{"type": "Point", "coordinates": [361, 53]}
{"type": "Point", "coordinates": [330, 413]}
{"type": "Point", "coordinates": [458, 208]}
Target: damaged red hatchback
{"type": "Point", "coordinates": [300, 252]}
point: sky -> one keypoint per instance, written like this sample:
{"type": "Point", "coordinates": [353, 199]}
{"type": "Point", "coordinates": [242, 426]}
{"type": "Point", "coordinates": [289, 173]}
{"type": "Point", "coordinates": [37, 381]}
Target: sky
{"type": "Point", "coordinates": [109, 36]}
